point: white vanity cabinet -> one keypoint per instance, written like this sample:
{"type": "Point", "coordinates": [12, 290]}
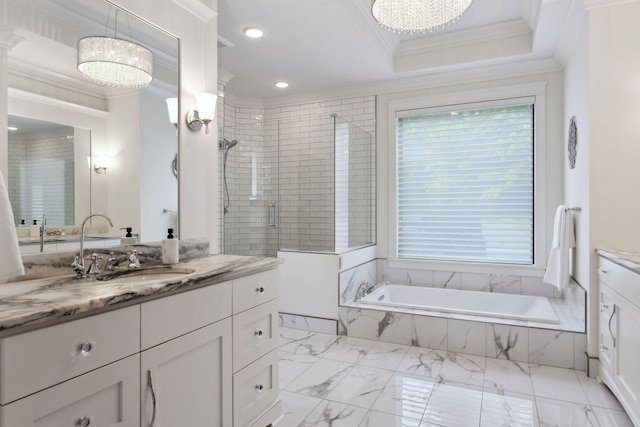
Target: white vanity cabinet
{"type": "Point", "coordinates": [619, 336]}
{"type": "Point", "coordinates": [204, 357]}
{"type": "Point", "coordinates": [255, 350]}
{"type": "Point", "coordinates": [73, 374]}
{"type": "Point", "coordinates": [185, 373]}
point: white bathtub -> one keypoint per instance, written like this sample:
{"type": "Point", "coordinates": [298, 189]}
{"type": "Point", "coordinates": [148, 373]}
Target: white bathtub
{"type": "Point", "coordinates": [519, 307]}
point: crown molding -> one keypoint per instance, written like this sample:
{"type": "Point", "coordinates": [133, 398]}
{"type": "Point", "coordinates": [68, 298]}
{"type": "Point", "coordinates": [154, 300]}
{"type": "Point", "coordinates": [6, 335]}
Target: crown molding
{"type": "Point", "coordinates": [495, 71]}
{"type": "Point", "coordinates": [224, 76]}
{"type": "Point", "coordinates": [384, 36]}
{"type": "Point", "coordinates": [595, 4]}
{"type": "Point", "coordinates": [198, 9]}
{"type": "Point", "coordinates": [577, 17]}
{"type": "Point", "coordinates": [55, 102]}
{"type": "Point", "coordinates": [472, 36]}
{"type": "Point", "coordinates": [8, 38]}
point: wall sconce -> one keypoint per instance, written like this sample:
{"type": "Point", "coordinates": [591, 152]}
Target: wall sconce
{"type": "Point", "coordinates": [172, 107]}
{"type": "Point", "coordinates": [205, 113]}
{"type": "Point", "coordinates": [101, 165]}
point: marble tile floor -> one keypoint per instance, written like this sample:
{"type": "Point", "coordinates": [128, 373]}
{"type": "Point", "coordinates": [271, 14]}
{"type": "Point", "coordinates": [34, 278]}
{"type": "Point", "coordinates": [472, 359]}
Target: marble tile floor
{"type": "Point", "coordinates": [337, 381]}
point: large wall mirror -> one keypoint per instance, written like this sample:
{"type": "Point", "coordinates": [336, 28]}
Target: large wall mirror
{"type": "Point", "coordinates": [78, 147]}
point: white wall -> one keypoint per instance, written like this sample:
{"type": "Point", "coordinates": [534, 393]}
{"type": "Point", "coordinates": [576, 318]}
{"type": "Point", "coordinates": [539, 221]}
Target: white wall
{"type": "Point", "coordinates": [577, 180]}
{"type": "Point", "coordinates": [614, 135]}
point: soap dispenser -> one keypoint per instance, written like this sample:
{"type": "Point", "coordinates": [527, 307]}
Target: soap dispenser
{"type": "Point", "coordinates": [128, 239]}
{"type": "Point", "coordinates": [170, 249]}
{"type": "Point", "coordinates": [34, 230]}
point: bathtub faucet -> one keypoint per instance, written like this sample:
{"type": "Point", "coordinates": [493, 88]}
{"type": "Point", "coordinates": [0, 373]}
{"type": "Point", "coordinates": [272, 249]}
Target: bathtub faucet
{"type": "Point", "coordinates": [365, 289]}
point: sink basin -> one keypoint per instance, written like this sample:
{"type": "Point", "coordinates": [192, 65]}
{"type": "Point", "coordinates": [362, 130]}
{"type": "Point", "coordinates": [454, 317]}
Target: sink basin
{"type": "Point", "coordinates": [146, 275]}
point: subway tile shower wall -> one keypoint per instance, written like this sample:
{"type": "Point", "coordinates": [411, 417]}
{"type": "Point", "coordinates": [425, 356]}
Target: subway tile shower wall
{"type": "Point", "coordinates": [286, 156]}
{"type": "Point", "coordinates": [40, 175]}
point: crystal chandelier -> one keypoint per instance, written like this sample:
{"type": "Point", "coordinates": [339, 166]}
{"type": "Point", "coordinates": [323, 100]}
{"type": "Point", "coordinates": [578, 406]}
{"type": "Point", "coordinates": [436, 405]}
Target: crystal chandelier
{"type": "Point", "coordinates": [417, 16]}
{"type": "Point", "coordinates": [112, 61]}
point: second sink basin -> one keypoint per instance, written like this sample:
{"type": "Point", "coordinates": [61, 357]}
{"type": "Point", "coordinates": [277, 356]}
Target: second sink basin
{"type": "Point", "coordinates": [146, 274]}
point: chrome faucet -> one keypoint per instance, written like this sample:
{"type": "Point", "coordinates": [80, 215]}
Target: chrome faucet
{"type": "Point", "coordinates": [43, 231]}
{"type": "Point", "coordinates": [78, 262]}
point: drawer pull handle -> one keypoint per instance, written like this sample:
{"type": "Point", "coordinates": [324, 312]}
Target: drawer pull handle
{"type": "Point", "coordinates": [86, 347]}
{"type": "Point", "coordinates": [153, 398]}
{"type": "Point", "coordinates": [603, 347]}
{"type": "Point", "coordinates": [260, 290]}
{"type": "Point", "coordinates": [603, 307]}
{"type": "Point", "coordinates": [258, 333]}
{"type": "Point", "coordinates": [83, 422]}
{"type": "Point", "coordinates": [259, 387]}
{"type": "Point", "coordinates": [602, 271]}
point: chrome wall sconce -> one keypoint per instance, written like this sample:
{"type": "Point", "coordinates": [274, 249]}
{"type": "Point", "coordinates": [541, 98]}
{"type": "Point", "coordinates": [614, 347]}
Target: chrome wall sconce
{"type": "Point", "coordinates": [205, 113]}
{"type": "Point", "coordinates": [101, 165]}
{"type": "Point", "coordinates": [172, 107]}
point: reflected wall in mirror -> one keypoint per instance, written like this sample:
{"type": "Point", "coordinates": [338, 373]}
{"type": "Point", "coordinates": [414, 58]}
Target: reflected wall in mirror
{"type": "Point", "coordinates": [127, 128]}
{"type": "Point", "coordinates": [49, 167]}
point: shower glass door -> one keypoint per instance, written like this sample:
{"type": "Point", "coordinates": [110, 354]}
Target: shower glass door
{"type": "Point", "coordinates": [249, 189]}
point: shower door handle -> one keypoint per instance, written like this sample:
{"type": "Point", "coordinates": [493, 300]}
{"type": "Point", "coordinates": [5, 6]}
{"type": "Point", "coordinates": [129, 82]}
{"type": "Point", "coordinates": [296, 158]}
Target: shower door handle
{"type": "Point", "coordinates": [273, 223]}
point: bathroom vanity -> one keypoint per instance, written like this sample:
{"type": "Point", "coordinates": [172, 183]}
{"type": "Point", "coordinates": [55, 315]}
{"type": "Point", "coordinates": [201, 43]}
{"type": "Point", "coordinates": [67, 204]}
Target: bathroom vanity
{"type": "Point", "coordinates": [619, 283]}
{"type": "Point", "coordinates": [193, 346]}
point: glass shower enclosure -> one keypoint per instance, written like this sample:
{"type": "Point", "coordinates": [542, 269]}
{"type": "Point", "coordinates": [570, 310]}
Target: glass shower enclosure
{"type": "Point", "coordinates": [302, 184]}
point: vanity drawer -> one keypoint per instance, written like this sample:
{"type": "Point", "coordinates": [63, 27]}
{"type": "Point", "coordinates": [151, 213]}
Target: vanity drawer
{"type": "Point", "coordinates": [167, 318]}
{"type": "Point", "coordinates": [255, 389]}
{"type": "Point", "coordinates": [255, 333]}
{"type": "Point", "coordinates": [108, 396]}
{"type": "Point", "coordinates": [36, 360]}
{"type": "Point", "coordinates": [254, 290]}
{"type": "Point", "coordinates": [623, 281]}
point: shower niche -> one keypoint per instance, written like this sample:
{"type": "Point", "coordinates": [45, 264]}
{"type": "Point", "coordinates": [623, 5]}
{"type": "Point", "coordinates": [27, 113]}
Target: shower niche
{"type": "Point", "coordinates": [300, 184]}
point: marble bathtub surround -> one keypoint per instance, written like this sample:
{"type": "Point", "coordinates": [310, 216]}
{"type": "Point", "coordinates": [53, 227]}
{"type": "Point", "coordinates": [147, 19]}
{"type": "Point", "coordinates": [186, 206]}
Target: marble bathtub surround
{"type": "Point", "coordinates": [481, 338]}
{"type": "Point", "coordinates": [401, 385]}
{"type": "Point", "coordinates": [41, 301]}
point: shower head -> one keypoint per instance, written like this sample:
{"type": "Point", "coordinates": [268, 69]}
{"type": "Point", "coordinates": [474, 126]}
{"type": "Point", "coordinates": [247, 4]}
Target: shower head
{"type": "Point", "coordinates": [225, 144]}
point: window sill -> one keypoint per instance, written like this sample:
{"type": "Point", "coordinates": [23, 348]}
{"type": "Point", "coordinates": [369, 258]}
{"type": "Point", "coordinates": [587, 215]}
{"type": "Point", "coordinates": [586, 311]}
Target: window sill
{"type": "Point", "coordinates": [469, 267]}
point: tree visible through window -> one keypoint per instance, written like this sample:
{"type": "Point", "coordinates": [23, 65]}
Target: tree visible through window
{"type": "Point", "coordinates": [465, 185]}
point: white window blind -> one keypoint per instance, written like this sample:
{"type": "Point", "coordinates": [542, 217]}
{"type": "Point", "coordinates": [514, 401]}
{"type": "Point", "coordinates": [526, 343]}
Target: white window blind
{"type": "Point", "coordinates": [465, 185]}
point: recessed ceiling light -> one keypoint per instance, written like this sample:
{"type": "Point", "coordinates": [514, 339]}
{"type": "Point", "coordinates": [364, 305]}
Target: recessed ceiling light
{"type": "Point", "coordinates": [253, 33]}
{"type": "Point", "coordinates": [12, 128]}
{"type": "Point", "coordinates": [282, 85]}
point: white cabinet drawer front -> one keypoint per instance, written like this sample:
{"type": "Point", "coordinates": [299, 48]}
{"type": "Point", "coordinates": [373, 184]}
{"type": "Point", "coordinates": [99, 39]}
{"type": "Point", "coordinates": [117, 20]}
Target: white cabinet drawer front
{"type": "Point", "coordinates": [255, 389]}
{"type": "Point", "coordinates": [105, 397]}
{"type": "Point", "coordinates": [166, 318]}
{"type": "Point", "coordinates": [36, 360]}
{"type": "Point", "coordinates": [254, 334]}
{"type": "Point", "coordinates": [623, 281]}
{"type": "Point", "coordinates": [254, 290]}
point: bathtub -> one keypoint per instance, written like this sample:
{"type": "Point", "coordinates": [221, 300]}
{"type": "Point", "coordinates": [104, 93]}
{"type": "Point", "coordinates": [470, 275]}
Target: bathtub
{"type": "Point", "coordinates": [488, 304]}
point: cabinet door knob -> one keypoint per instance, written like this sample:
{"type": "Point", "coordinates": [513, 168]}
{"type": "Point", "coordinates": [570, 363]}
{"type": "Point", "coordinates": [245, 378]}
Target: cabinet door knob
{"type": "Point", "coordinates": [259, 387]}
{"type": "Point", "coordinates": [83, 422]}
{"type": "Point", "coordinates": [85, 348]}
{"type": "Point", "coordinates": [602, 271]}
{"type": "Point", "coordinates": [603, 347]}
{"type": "Point", "coordinates": [258, 333]}
{"type": "Point", "coordinates": [603, 307]}
{"type": "Point", "coordinates": [260, 290]}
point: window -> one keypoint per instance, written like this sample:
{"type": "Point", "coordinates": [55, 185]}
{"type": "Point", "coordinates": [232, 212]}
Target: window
{"type": "Point", "coordinates": [465, 183]}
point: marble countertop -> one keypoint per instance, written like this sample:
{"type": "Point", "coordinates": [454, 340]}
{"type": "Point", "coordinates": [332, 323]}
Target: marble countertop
{"type": "Point", "coordinates": [625, 258]}
{"type": "Point", "coordinates": [68, 238]}
{"type": "Point", "coordinates": [37, 303]}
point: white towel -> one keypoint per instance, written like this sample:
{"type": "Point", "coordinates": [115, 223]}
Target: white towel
{"type": "Point", "coordinates": [10, 259]}
{"type": "Point", "coordinates": [564, 239]}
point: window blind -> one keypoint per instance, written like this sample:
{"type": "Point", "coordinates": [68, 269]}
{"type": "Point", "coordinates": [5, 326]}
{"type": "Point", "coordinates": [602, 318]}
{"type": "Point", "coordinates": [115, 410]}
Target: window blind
{"type": "Point", "coordinates": [465, 185]}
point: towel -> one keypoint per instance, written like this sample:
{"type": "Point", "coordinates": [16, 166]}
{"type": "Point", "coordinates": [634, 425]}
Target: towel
{"type": "Point", "coordinates": [564, 239]}
{"type": "Point", "coordinates": [10, 259]}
